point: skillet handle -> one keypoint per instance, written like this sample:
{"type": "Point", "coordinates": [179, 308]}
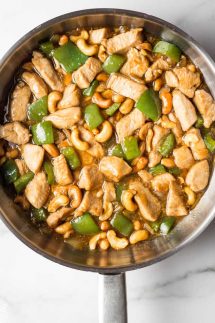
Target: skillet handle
{"type": "Point", "coordinates": [112, 298]}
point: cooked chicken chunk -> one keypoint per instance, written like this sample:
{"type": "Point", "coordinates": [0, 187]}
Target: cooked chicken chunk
{"type": "Point", "coordinates": [22, 167]}
{"type": "Point", "coordinates": [114, 168]}
{"type": "Point", "coordinates": [33, 156]}
{"type": "Point", "coordinates": [154, 158]}
{"type": "Point", "coordinates": [90, 178]}
{"type": "Point", "coordinates": [136, 64]}
{"type": "Point", "coordinates": [47, 71]}
{"type": "Point", "coordinates": [183, 79]}
{"type": "Point", "coordinates": [159, 134]}
{"type": "Point", "coordinates": [146, 177]}
{"type": "Point", "coordinates": [193, 139]}
{"type": "Point", "coordinates": [184, 110]}
{"type": "Point", "coordinates": [109, 192]}
{"type": "Point", "coordinates": [54, 218]}
{"type": "Point", "coordinates": [87, 72]}
{"type": "Point", "coordinates": [125, 86]}
{"type": "Point", "coordinates": [96, 149]}
{"type": "Point", "coordinates": [37, 191]}
{"type": "Point", "coordinates": [15, 132]}
{"type": "Point", "coordinates": [91, 202]}
{"type": "Point", "coordinates": [66, 118]}
{"type": "Point", "coordinates": [123, 42]}
{"type": "Point", "coordinates": [71, 97]}
{"type": "Point", "coordinates": [149, 205]}
{"type": "Point", "coordinates": [175, 204]}
{"type": "Point", "coordinates": [156, 69]}
{"type": "Point", "coordinates": [160, 183]}
{"type": "Point", "coordinates": [97, 35]}
{"type": "Point", "coordinates": [198, 176]}
{"type": "Point", "coordinates": [62, 173]}
{"type": "Point", "coordinates": [129, 123]}
{"type": "Point", "coordinates": [36, 84]}
{"type": "Point", "coordinates": [206, 106]}
{"type": "Point", "coordinates": [19, 102]}
{"type": "Point", "coordinates": [183, 157]}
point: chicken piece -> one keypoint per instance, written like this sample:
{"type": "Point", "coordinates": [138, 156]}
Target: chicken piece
{"type": "Point", "coordinates": [33, 156]}
{"type": "Point", "coordinates": [136, 64]}
{"type": "Point", "coordinates": [183, 157]}
{"type": "Point", "coordinates": [37, 191]}
{"type": "Point", "coordinates": [193, 139]}
{"type": "Point", "coordinates": [66, 118]}
{"type": "Point", "coordinates": [62, 173]}
{"type": "Point", "coordinates": [184, 110]}
{"type": "Point", "coordinates": [129, 123]}
{"type": "Point", "coordinates": [183, 79]}
{"type": "Point", "coordinates": [91, 202]}
{"type": "Point", "coordinates": [36, 84]}
{"type": "Point", "coordinates": [19, 102]}
{"type": "Point", "coordinates": [15, 132]}
{"type": "Point", "coordinates": [175, 204]}
{"type": "Point", "coordinates": [149, 205]}
{"type": "Point", "coordinates": [125, 86]}
{"type": "Point", "coordinates": [90, 178]}
{"type": "Point", "coordinates": [97, 35]}
{"type": "Point", "coordinates": [71, 97]}
{"type": "Point", "coordinates": [22, 167]}
{"type": "Point", "coordinates": [47, 71]}
{"type": "Point", "coordinates": [206, 106]}
{"type": "Point", "coordinates": [198, 176]}
{"type": "Point", "coordinates": [87, 72]}
{"type": "Point", "coordinates": [114, 168]}
{"type": "Point", "coordinates": [159, 134]}
{"type": "Point", "coordinates": [154, 158]}
{"type": "Point", "coordinates": [109, 192]}
{"type": "Point", "coordinates": [156, 69]}
{"type": "Point", "coordinates": [56, 217]}
{"type": "Point", "coordinates": [160, 183]}
{"type": "Point", "coordinates": [123, 42]}
{"type": "Point", "coordinates": [96, 150]}
{"type": "Point", "coordinates": [146, 177]}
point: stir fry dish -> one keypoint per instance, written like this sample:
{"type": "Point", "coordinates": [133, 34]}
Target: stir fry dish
{"type": "Point", "coordinates": [108, 137]}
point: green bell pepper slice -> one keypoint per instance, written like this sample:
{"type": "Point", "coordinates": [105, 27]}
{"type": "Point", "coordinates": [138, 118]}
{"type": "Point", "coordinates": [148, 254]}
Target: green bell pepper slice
{"type": "Point", "coordinates": [91, 89]}
{"type": "Point", "coordinates": [113, 63]}
{"type": "Point", "coordinates": [122, 224]}
{"type": "Point", "coordinates": [112, 109]}
{"type": "Point", "coordinates": [71, 157]}
{"type": "Point", "coordinates": [38, 109]}
{"type": "Point", "coordinates": [119, 188]}
{"type": "Point", "coordinates": [49, 172]}
{"type": "Point", "coordinates": [209, 142]}
{"type": "Point", "coordinates": [174, 171]}
{"type": "Point", "coordinates": [85, 224]}
{"type": "Point", "coordinates": [167, 224]}
{"type": "Point", "coordinates": [199, 122]}
{"type": "Point", "coordinates": [69, 56]}
{"type": "Point", "coordinates": [150, 104]}
{"type": "Point", "coordinates": [157, 170]}
{"type": "Point", "coordinates": [167, 145]}
{"type": "Point", "coordinates": [92, 116]}
{"type": "Point", "coordinates": [10, 171]}
{"type": "Point", "coordinates": [43, 133]}
{"type": "Point", "coordinates": [46, 47]}
{"type": "Point", "coordinates": [130, 147]}
{"type": "Point", "coordinates": [155, 225]}
{"type": "Point", "coordinates": [117, 151]}
{"type": "Point", "coordinates": [168, 49]}
{"type": "Point", "coordinates": [39, 215]}
{"type": "Point", "coordinates": [23, 181]}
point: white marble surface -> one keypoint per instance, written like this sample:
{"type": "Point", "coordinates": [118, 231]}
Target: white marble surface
{"type": "Point", "coordinates": [179, 289]}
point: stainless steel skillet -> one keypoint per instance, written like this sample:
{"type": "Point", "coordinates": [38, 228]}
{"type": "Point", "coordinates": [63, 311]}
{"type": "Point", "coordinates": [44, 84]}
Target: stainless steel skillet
{"type": "Point", "coordinates": [112, 264]}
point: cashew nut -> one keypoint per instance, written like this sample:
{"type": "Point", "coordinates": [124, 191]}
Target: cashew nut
{"type": "Point", "coordinates": [126, 199]}
{"type": "Point", "coordinates": [63, 40]}
{"type": "Point", "coordinates": [139, 163]}
{"type": "Point", "coordinates": [144, 130]}
{"type": "Point", "coordinates": [118, 98]}
{"type": "Point", "coordinates": [149, 137]}
{"type": "Point", "coordinates": [115, 242]}
{"type": "Point", "coordinates": [88, 50]}
{"type": "Point", "coordinates": [139, 235]}
{"type": "Point", "coordinates": [57, 202]}
{"type": "Point", "coordinates": [64, 228]}
{"type": "Point", "coordinates": [168, 162]}
{"type": "Point", "coordinates": [102, 77]}
{"type": "Point", "coordinates": [101, 101]}
{"type": "Point", "coordinates": [94, 240]}
{"type": "Point", "coordinates": [101, 87]}
{"type": "Point", "coordinates": [158, 84]}
{"type": "Point", "coordinates": [53, 98]}
{"type": "Point", "coordinates": [104, 244]}
{"type": "Point", "coordinates": [12, 153]}
{"type": "Point", "coordinates": [108, 210]}
{"type": "Point", "coordinates": [51, 150]}
{"type": "Point", "coordinates": [75, 195]}
{"type": "Point", "coordinates": [166, 98]}
{"type": "Point", "coordinates": [59, 189]}
{"type": "Point", "coordinates": [83, 35]}
{"type": "Point", "coordinates": [191, 196]}
{"type": "Point", "coordinates": [126, 106]}
{"type": "Point", "coordinates": [102, 55]}
{"type": "Point", "coordinates": [77, 142]}
{"type": "Point", "coordinates": [137, 225]}
{"type": "Point", "coordinates": [105, 225]}
{"type": "Point", "coordinates": [105, 133]}
{"type": "Point", "coordinates": [86, 158]}
{"type": "Point", "coordinates": [166, 123]}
